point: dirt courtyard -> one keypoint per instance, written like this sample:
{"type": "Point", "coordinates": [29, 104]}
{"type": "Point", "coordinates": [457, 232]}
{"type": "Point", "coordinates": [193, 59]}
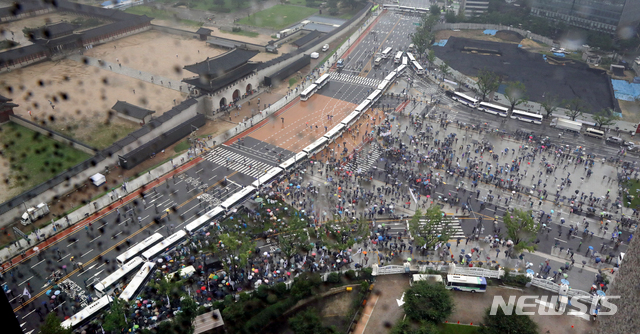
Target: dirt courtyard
{"type": "Point", "coordinates": [66, 94]}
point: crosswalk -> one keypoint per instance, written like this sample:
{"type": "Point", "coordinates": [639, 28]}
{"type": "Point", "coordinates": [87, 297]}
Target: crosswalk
{"type": "Point", "coordinates": [368, 82]}
{"type": "Point", "coordinates": [245, 165]}
{"type": "Point", "coordinates": [364, 162]}
{"type": "Point", "coordinates": [454, 227]}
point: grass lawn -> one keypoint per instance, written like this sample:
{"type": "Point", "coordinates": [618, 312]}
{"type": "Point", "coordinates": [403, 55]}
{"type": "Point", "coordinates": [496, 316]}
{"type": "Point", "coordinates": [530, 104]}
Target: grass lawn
{"type": "Point", "coordinates": [102, 135]}
{"type": "Point", "coordinates": [278, 17]}
{"type": "Point", "coordinates": [292, 81]}
{"type": "Point", "coordinates": [458, 329]}
{"type": "Point", "coordinates": [243, 33]}
{"type": "Point", "coordinates": [160, 14]}
{"type": "Point", "coordinates": [35, 158]}
{"type": "Point", "coordinates": [634, 190]}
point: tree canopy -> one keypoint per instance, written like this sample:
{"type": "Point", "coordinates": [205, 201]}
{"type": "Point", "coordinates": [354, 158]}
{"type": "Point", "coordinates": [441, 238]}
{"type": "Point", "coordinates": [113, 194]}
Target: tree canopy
{"type": "Point", "coordinates": [430, 228]}
{"type": "Point", "coordinates": [575, 107]}
{"type": "Point", "coordinates": [521, 229]}
{"type": "Point", "coordinates": [52, 325]}
{"type": "Point", "coordinates": [488, 82]}
{"type": "Point", "coordinates": [307, 322]}
{"type": "Point", "coordinates": [549, 104]}
{"type": "Point", "coordinates": [500, 323]}
{"type": "Point", "coordinates": [428, 302]}
{"type": "Point", "coordinates": [515, 92]}
{"type": "Point", "coordinates": [605, 117]}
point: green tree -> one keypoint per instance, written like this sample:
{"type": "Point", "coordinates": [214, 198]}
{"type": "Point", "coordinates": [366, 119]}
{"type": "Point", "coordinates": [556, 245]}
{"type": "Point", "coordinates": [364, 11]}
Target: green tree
{"type": "Point", "coordinates": [219, 3]}
{"type": "Point", "coordinates": [434, 9]}
{"type": "Point", "coordinates": [488, 82]}
{"type": "Point", "coordinates": [115, 319]}
{"type": "Point", "coordinates": [431, 57]}
{"type": "Point", "coordinates": [549, 104]}
{"type": "Point", "coordinates": [521, 229]}
{"type": "Point", "coordinates": [333, 7]}
{"type": "Point", "coordinates": [292, 236]}
{"type": "Point", "coordinates": [405, 327]}
{"type": "Point", "coordinates": [238, 248]}
{"type": "Point", "coordinates": [500, 323]}
{"type": "Point", "coordinates": [307, 322]}
{"type": "Point", "coordinates": [431, 228]}
{"type": "Point", "coordinates": [575, 107]}
{"type": "Point", "coordinates": [605, 117]}
{"type": "Point", "coordinates": [515, 92]}
{"type": "Point", "coordinates": [444, 68]}
{"type": "Point", "coordinates": [52, 325]}
{"type": "Point", "coordinates": [428, 302]}
{"type": "Point", "coordinates": [450, 17]}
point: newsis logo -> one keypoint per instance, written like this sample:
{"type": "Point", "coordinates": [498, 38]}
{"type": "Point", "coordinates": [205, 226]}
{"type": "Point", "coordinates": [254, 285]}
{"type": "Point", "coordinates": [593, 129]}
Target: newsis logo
{"type": "Point", "coordinates": [550, 305]}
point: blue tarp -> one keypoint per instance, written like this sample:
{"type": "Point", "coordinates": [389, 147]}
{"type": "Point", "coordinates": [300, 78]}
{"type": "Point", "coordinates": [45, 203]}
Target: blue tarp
{"type": "Point", "coordinates": [490, 32]}
{"type": "Point", "coordinates": [519, 45]}
{"type": "Point", "coordinates": [626, 91]}
{"type": "Point", "coordinates": [636, 80]}
{"type": "Point", "coordinates": [441, 42]}
{"type": "Point", "coordinates": [558, 54]}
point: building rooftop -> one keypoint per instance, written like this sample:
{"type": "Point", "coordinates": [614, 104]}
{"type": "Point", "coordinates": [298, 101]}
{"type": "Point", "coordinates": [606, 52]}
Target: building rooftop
{"type": "Point", "coordinates": [131, 110]}
{"type": "Point", "coordinates": [218, 66]}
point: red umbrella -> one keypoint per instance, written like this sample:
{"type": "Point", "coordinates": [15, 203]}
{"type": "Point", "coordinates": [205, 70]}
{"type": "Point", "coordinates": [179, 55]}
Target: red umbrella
{"type": "Point", "coordinates": [203, 288]}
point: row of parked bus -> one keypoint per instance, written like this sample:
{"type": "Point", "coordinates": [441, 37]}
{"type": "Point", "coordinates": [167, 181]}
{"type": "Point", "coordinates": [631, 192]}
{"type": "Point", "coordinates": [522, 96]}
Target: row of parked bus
{"type": "Point", "coordinates": [142, 255]}
{"type": "Point", "coordinates": [314, 87]}
{"type": "Point", "coordinates": [406, 9]}
{"type": "Point", "coordinates": [495, 109]}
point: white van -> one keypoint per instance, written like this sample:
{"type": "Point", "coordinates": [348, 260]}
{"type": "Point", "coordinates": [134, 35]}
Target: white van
{"type": "Point", "coordinates": [377, 61]}
{"type": "Point", "coordinates": [325, 48]}
{"type": "Point", "coordinates": [398, 58]}
{"type": "Point", "coordinates": [424, 277]}
{"type": "Point", "coordinates": [411, 47]}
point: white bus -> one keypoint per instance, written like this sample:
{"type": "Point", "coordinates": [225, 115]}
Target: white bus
{"type": "Point", "coordinates": [323, 80]}
{"type": "Point", "coordinates": [334, 133]}
{"type": "Point", "coordinates": [411, 58]}
{"type": "Point", "coordinates": [386, 52]}
{"type": "Point", "coordinates": [103, 287]}
{"type": "Point", "coordinates": [419, 70]}
{"type": "Point", "coordinates": [166, 244]}
{"type": "Point", "coordinates": [526, 116]}
{"type": "Point", "coordinates": [138, 248]}
{"type": "Point", "coordinates": [391, 76]}
{"type": "Point", "coordinates": [465, 99]}
{"type": "Point", "coordinates": [422, 10]}
{"type": "Point", "coordinates": [398, 58]}
{"type": "Point", "coordinates": [87, 313]}
{"type": "Point", "coordinates": [307, 93]}
{"type": "Point", "coordinates": [428, 278]}
{"type": "Point", "coordinates": [389, 6]}
{"type": "Point", "coordinates": [349, 120]}
{"type": "Point", "coordinates": [594, 133]}
{"type": "Point", "coordinates": [401, 69]}
{"type": "Point", "coordinates": [137, 281]}
{"type": "Point", "coordinates": [238, 198]}
{"type": "Point", "coordinates": [316, 146]}
{"type": "Point", "coordinates": [466, 283]}
{"type": "Point", "coordinates": [493, 109]}
{"type": "Point", "coordinates": [406, 9]}
{"type": "Point", "coordinates": [204, 219]}
{"type": "Point", "coordinates": [300, 156]}
{"type": "Point", "coordinates": [565, 124]}
{"type": "Point", "coordinates": [375, 96]}
{"type": "Point", "coordinates": [363, 106]}
{"type": "Point", "coordinates": [405, 61]}
{"type": "Point", "coordinates": [383, 85]}
{"type": "Point", "coordinates": [267, 177]}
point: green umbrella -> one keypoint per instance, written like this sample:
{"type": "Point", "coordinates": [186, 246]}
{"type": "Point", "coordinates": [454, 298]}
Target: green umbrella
{"type": "Point", "coordinates": [409, 259]}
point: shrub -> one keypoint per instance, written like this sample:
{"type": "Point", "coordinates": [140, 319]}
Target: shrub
{"type": "Point", "coordinates": [333, 278]}
{"type": "Point", "coordinates": [236, 29]}
{"type": "Point", "coordinates": [244, 296]}
{"type": "Point", "coordinates": [272, 299]}
{"type": "Point", "coordinates": [280, 289]}
{"type": "Point", "coordinates": [364, 286]}
{"type": "Point", "coordinates": [262, 292]}
{"type": "Point", "coordinates": [222, 10]}
{"type": "Point", "coordinates": [366, 272]}
{"type": "Point", "coordinates": [350, 274]}
{"type": "Point", "coordinates": [516, 280]}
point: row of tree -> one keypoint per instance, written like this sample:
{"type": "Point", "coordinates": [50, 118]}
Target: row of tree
{"type": "Point", "coordinates": [516, 93]}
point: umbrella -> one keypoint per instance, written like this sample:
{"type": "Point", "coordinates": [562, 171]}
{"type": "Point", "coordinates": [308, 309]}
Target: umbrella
{"type": "Point", "coordinates": [48, 292]}
{"type": "Point", "coordinates": [57, 292]}
{"type": "Point", "coordinates": [529, 271]}
{"type": "Point", "coordinates": [591, 247]}
{"type": "Point", "coordinates": [409, 259]}
{"type": "Point", "coordinates": [564, 281]}
{"type": "Point", "coordinates": [601, 293]}
{"type": "Point", "coordinates": [203, 288]}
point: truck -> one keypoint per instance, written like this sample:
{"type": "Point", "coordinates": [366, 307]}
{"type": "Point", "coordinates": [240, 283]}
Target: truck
{"type": "Point", "coordinates": [565, 124]}
{"type": "Point", "coordinates": [34, 213]}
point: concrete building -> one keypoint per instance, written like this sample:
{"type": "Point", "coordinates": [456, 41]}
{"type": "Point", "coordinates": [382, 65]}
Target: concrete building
{"type": "Point", "coordinates": [474, 7]}
{"type": "Point", "coordinates": [608, 16]}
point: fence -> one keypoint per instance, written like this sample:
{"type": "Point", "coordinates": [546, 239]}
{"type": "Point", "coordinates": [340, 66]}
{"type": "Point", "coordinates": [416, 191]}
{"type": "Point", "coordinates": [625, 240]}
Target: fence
{"type": "Point", "coordinates": [484, 26]}
{"type": "Point", "coordinates": [479, 272]}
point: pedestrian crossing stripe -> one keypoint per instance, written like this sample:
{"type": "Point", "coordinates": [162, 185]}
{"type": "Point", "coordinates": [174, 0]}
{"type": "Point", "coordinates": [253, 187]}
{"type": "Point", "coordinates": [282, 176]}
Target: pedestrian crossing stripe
{"type": "Point", "coordinates": [364, 162]}
{"type": "Point", "coordinates": [261, 154]}
{"type": "Point", "coordinates": [241, 163]}
{"type": "Point", "coordinates": [369, 82]}
{"type": "Point", "coordinates": [454, 227]}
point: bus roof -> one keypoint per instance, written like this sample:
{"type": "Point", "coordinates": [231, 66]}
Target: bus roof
{"type": "Point", "coordinates": [466, 279]}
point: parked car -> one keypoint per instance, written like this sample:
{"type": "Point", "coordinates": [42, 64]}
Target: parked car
{"type": "Point", "coordinates": [325, 48]}
{"type": "Point", "coordinates": [615, 140]}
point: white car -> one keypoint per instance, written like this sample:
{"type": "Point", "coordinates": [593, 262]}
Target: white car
{"type": "Point", "coordinates": [325, 48]}
{"type": "Point", "coordinates": [315, 55]}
